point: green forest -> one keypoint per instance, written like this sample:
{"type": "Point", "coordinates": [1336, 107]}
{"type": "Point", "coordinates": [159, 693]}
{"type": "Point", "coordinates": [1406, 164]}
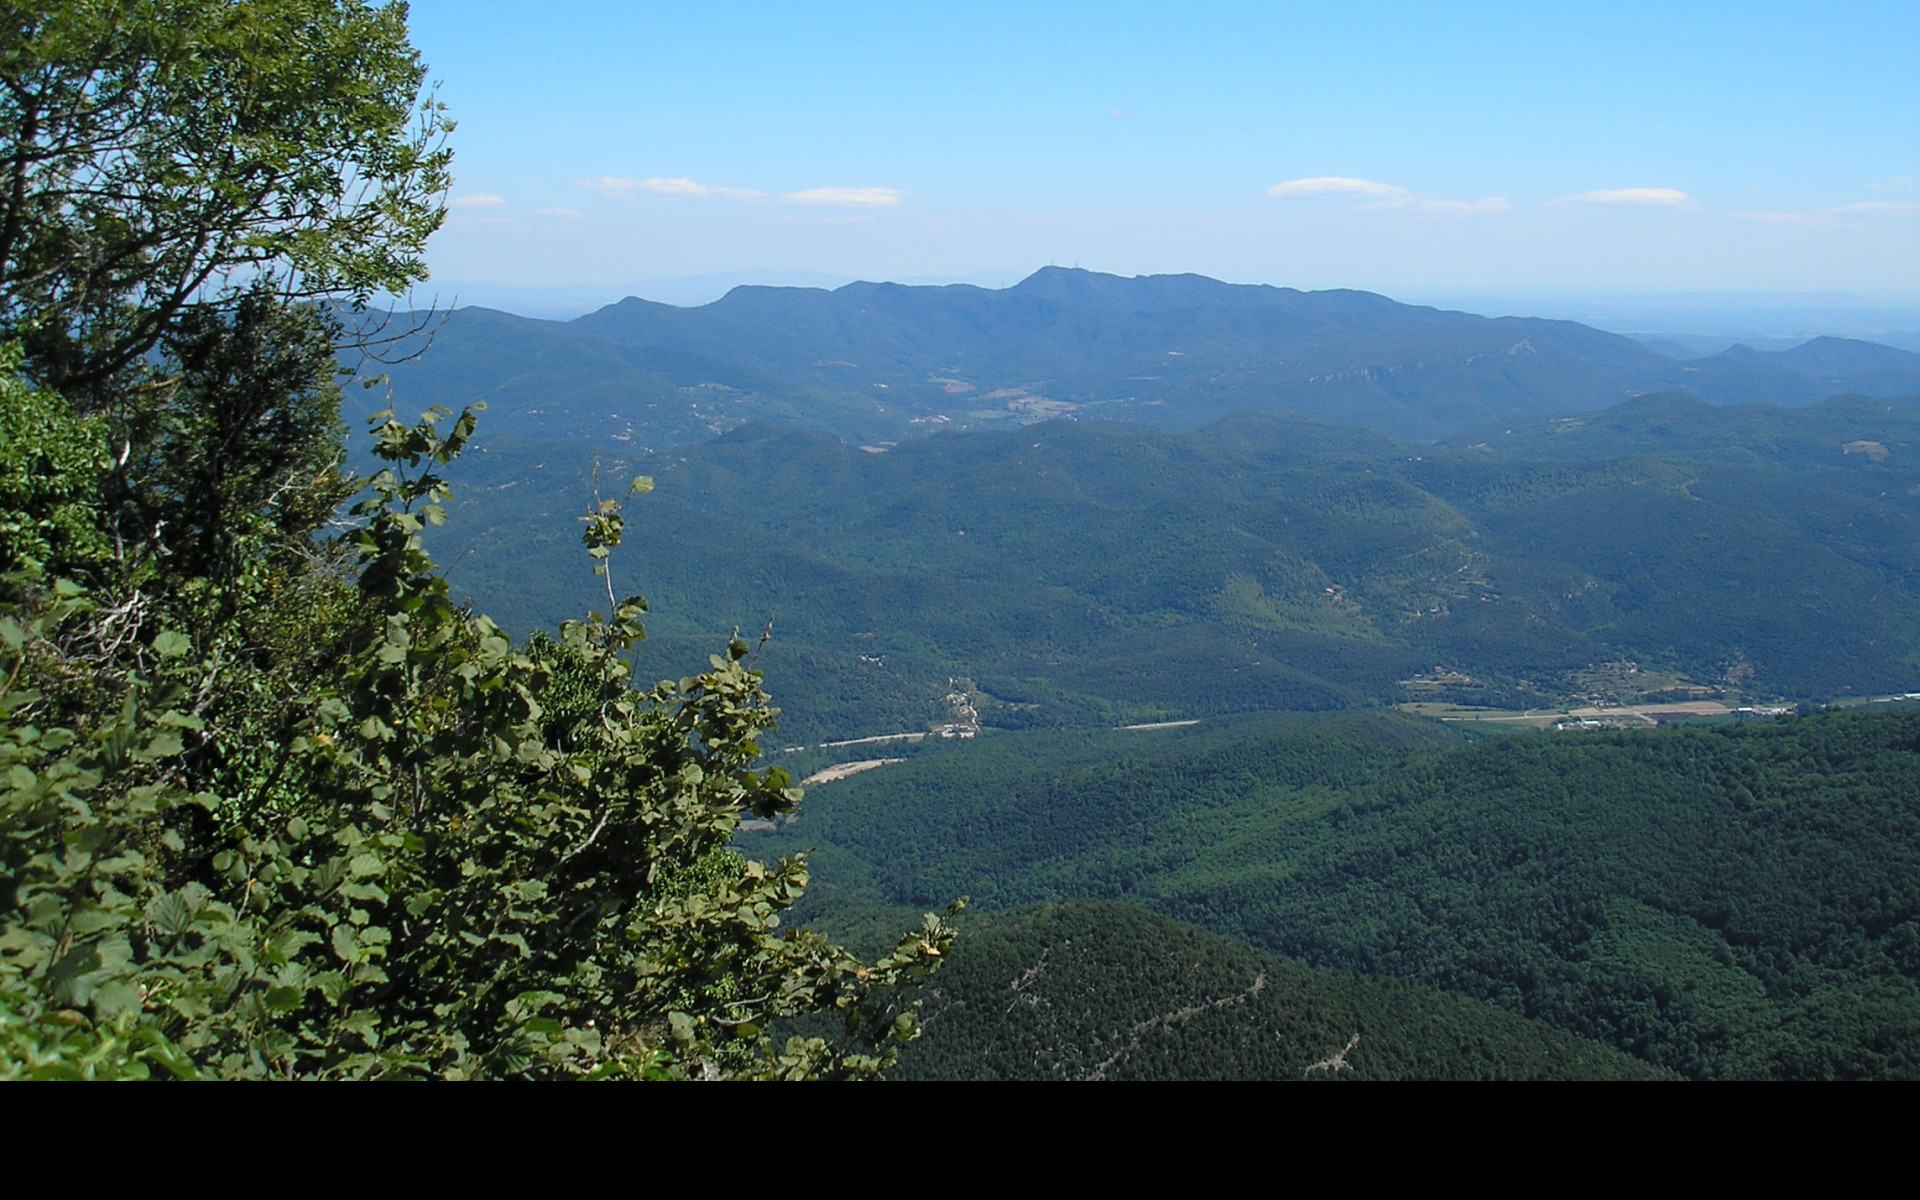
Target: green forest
{"type": "Point", "coordinates": [1092, 573]}
{"type": "Point", "coordinates": [1728, 901]}
{"type": "Point", "coordinates": [880, 362]}
{"type": "Point", "coordinates": [1094, 990]}
{"type": "Point", "coordinates": [272, 805]}
{"type": "Point", "coordinates": [365, 714]}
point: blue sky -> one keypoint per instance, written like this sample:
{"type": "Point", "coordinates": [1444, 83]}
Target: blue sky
{"type": "Point", "coordinates": [1546, 150]}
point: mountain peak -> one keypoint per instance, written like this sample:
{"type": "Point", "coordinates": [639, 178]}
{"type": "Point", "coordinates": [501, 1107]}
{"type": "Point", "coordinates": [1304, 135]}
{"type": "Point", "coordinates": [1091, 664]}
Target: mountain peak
{"type": "Point", "coordinates": [1078, 285]}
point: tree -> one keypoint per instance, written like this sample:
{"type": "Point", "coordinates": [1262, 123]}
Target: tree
{"type": "Point", "coordinates": [470, 859]}
{"type": "Point", "coordinates": [165, 155]}
{"type": "Point", "coordinates": [271, 804]}
{"type": "Point", "coordinates": [176, 178]}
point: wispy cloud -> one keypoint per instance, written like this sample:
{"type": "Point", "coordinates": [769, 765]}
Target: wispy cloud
{"type": "Point", "coordinates": [1640, 196]}
{"type": "Point", "coordinates": [1338, 185]}
{"type": "Point", "coordinates": [1881, 208]}
{"type": "Point", "coordinates": [481, 201]}
{"type": "Point", "coordinates": [621, 188]}
{"type": "Point", "coordinates": [842, 197]}
{"type": "Point", "coordinates": [559, 214]}
{"type": "Point", "coordinates": [1374, 194]}
{"type": "Point", "coordinates": [617, 187]}
{"type": "Point", "coordinates": [1118, 114]}
{"type": "Point", "coordinates": [1780, 218]}
{"type": "Point", "coordinates": [1899, 183]}
{"type": "Point", "coordinates": [1839, 213]}
{"type": "Point", "coordinates": [1492, 204]}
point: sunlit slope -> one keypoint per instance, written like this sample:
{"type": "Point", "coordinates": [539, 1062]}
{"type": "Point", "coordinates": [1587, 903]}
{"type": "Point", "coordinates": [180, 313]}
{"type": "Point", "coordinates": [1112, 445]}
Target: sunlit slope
{"type": "Point", "coordinates": [1674, 424]}
{"type": "Point", "coordinates": [1741, 901]}
{"type": "Point", "coordinates": [1093, 990]}
{"type": "Point", "coordinates": [1090, 573]}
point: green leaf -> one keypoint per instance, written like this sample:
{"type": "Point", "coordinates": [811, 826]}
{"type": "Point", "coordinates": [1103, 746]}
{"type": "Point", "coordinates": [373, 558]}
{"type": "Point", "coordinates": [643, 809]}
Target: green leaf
{"type": "Point", "coordinates": [169, 643]}
{"type": "Point", "coordinates": [165, 744]}
{"type": "Point", "coordinates": [170, 914]}
{"type": "Point", "coordinates": [344, 943]}
{"type": "Point", "coordinates": [283, 999]}
{"type": "Point", "coordinates": [332, 985]}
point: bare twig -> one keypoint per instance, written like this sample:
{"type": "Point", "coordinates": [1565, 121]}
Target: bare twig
{"type": "Point", "coordinates": [591, 838]}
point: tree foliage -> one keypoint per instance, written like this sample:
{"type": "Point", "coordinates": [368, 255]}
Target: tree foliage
{"type": "Point", "coordinates": [424, 876]}
{"type": "Point", "coordinates": [271, 804]}
{"type": "Point", "coordinates": [159, 156]}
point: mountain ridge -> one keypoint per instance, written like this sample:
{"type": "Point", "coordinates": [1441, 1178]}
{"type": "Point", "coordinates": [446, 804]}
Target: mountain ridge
{"type": "Point", "coordinates": [882, 362]}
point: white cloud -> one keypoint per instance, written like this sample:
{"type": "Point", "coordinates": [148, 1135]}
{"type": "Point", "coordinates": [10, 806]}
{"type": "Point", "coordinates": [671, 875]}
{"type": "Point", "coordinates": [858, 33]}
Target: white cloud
{"type": "Point", "coordinates": [1381, 195]}
{"type": "Point", "coordinates": [1657, 197]}
{"type": "Point", "coordinates": [622, 188]}
{"type": "Point", "coordinates": [1338, 185]}
{"type": "Point", "coordinates": [1492, 204]}
{"type": "Point", "coordinates": [1826, 216]}
{"type": "Point", "coordinates": [1899, 183]}
{"type": "Point", "coordinates": [842, 197]}
{"type": "Point", "coordinates": [613, 185]}
{"type": "Point", "coordinates": [561, 214]}
{"type": "Point", "coordinates": [667, 187]}
{"type": "Point", "coordinates": [1888, 208]}
{"type": "Point", "coordinates": [477, 202]}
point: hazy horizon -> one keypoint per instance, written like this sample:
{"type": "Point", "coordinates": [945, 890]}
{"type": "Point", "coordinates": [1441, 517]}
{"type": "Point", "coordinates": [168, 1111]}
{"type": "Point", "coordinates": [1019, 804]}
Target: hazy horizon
{"type": "Point", "coordinates": [1776, 317]}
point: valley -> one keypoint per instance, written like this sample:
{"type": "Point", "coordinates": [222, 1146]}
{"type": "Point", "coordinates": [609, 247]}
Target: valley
{"type": "Point", "coordinates": [556, 543]}
{"type": "Point", "coordinates": [1725, 901]}
{"type": "Point", "coordinates": [1094, 574]}
{"type": "Point", "coordinates": [1308, 688]}
{"type": "Point", "coordinates": [1562, 705]}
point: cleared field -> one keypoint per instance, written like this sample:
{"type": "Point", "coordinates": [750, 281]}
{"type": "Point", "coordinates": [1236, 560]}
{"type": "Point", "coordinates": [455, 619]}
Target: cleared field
{"type": "Point", "coordinates": [846, 771]}
{"type": "Point", "coordinates": [1648, 714]}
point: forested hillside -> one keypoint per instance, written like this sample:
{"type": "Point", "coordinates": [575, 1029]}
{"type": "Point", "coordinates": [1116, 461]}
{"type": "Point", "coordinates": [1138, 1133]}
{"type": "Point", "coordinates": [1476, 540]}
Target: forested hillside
{"type": "Point", "coordinates": [1734, 901]}
{"type": "Point", "coordinates": [1103, 991]}
{"type": "Point", "coordinates": [1093, 573]}
{"type": "Point", "coordinates": [874, 362]}
{"type": "Point", "coordinates": [1676, 425]}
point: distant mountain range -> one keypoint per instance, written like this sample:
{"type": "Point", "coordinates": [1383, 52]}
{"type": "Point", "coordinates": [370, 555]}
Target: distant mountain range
{"type": "Point", "coordinates": [883, 362]}
{"type": "Point", "coordinates": [1132, 544]}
